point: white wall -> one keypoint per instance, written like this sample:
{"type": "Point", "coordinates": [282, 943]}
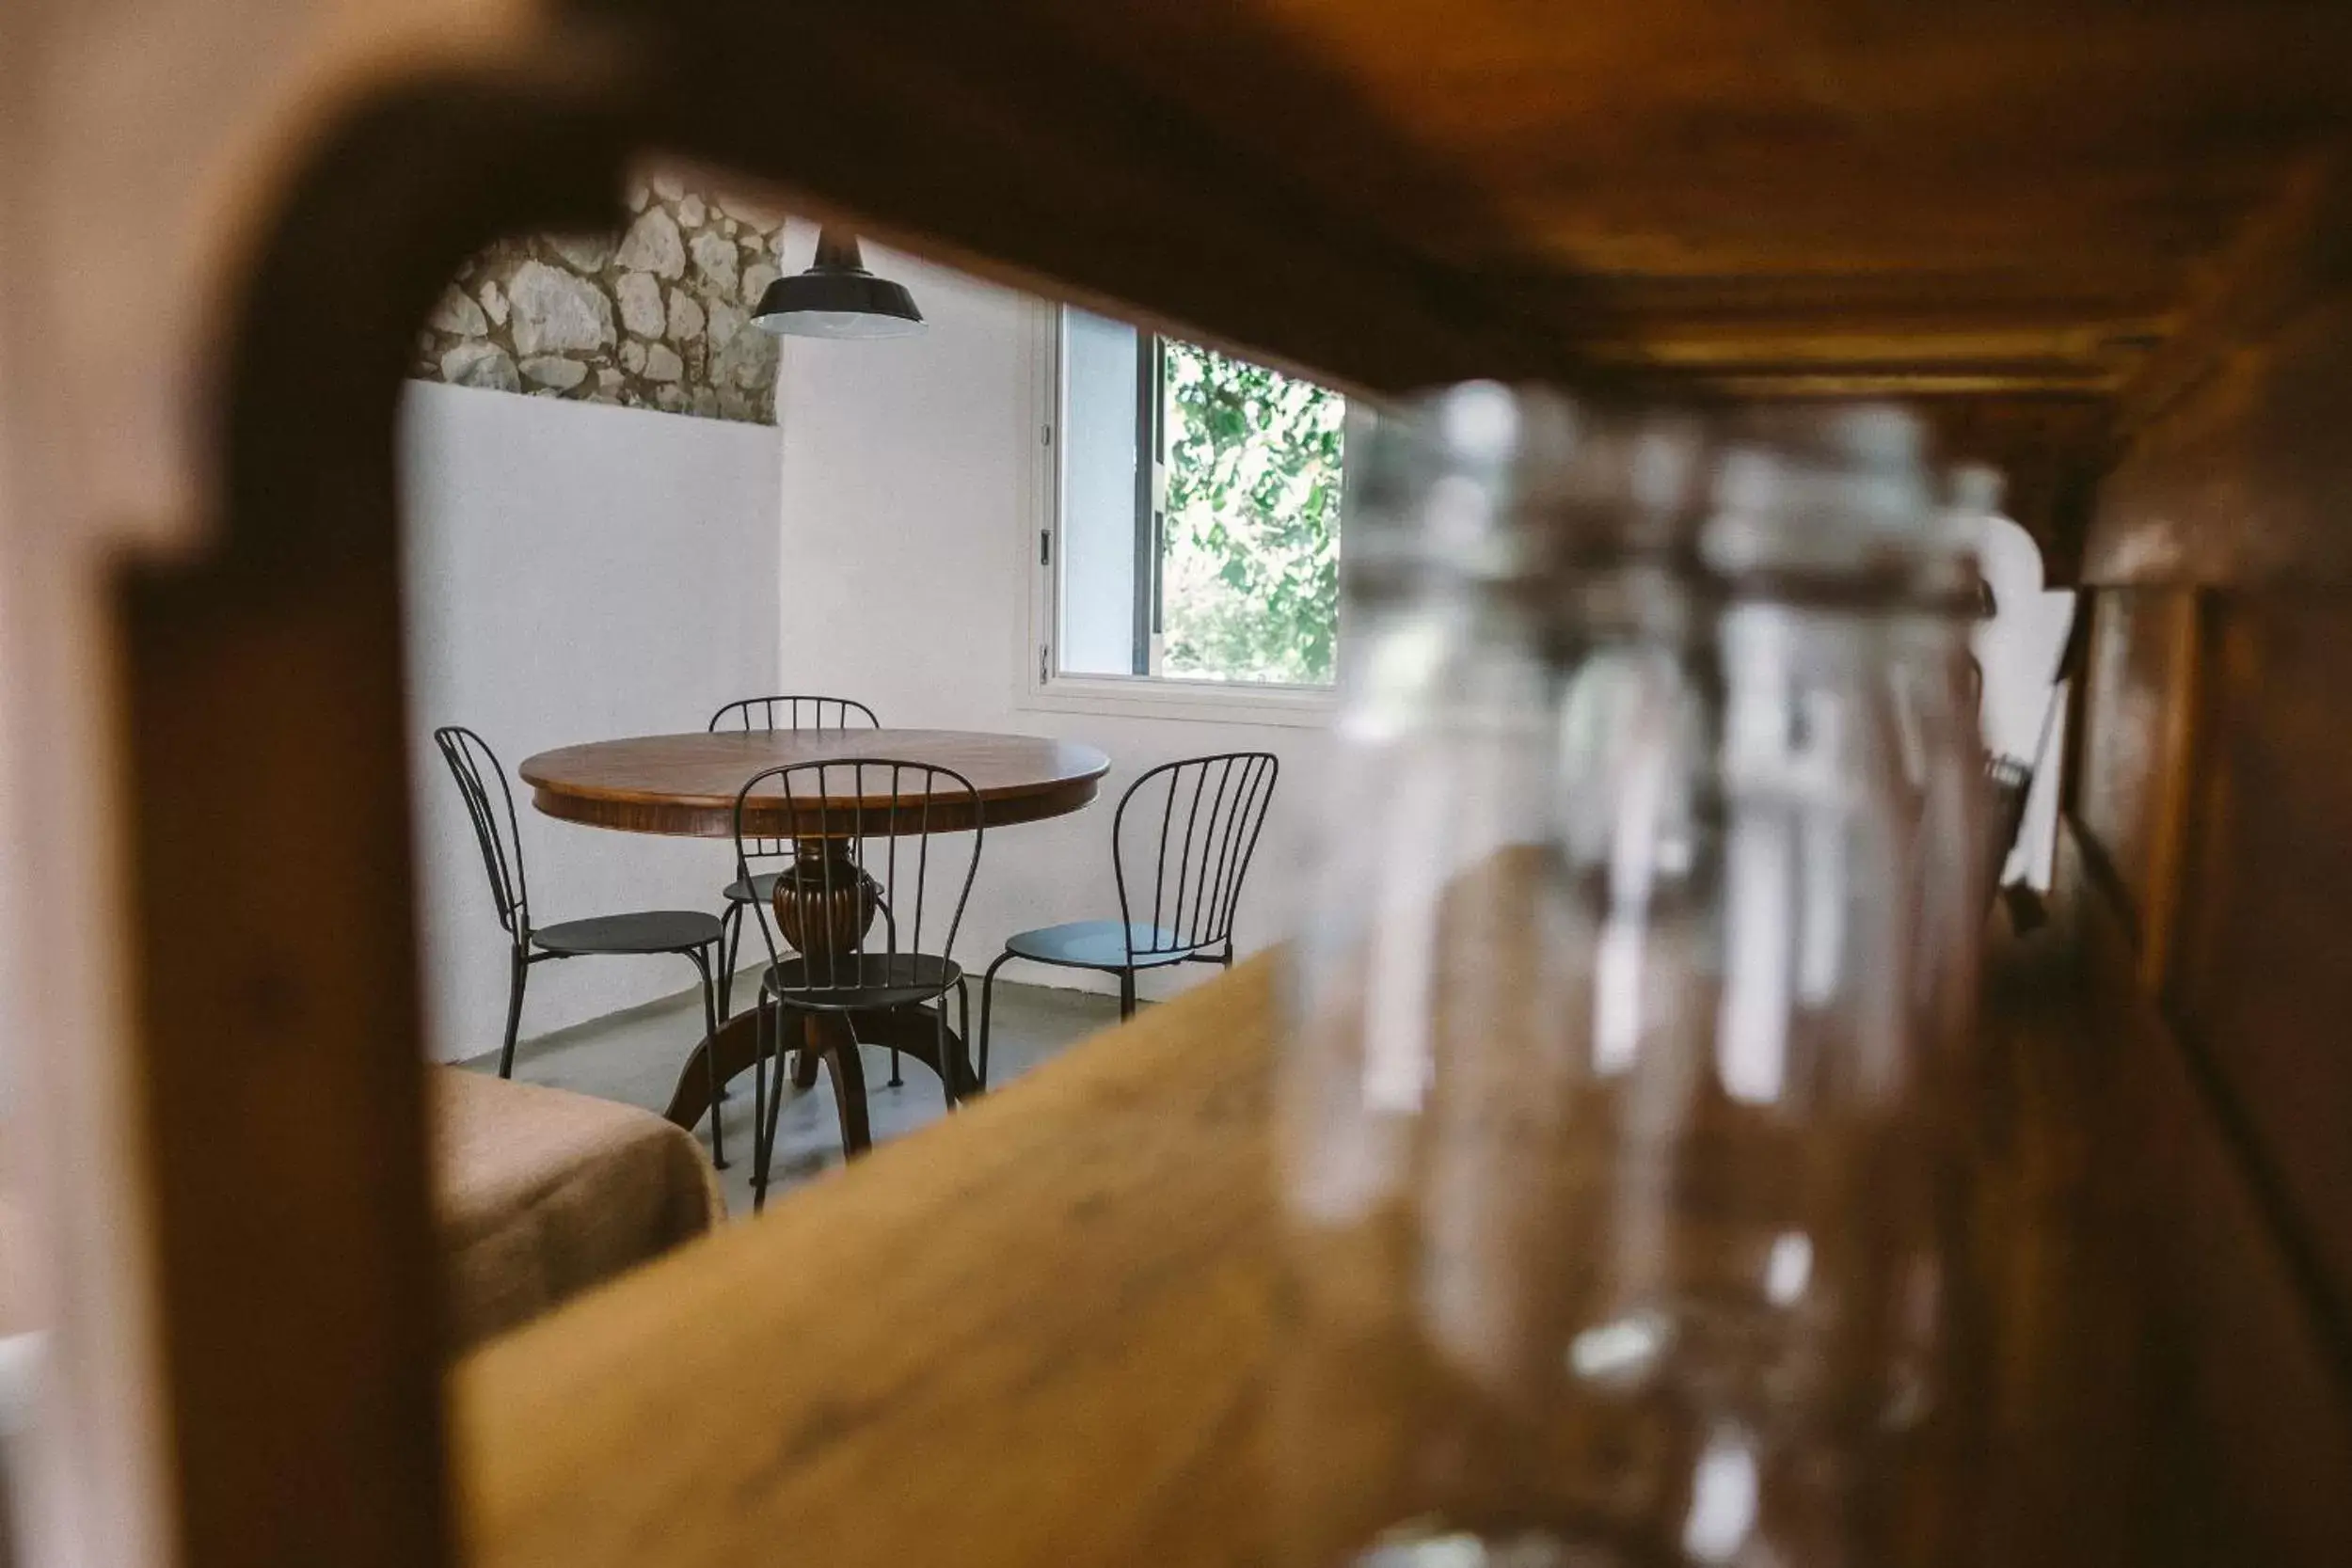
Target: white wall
{"type": "Point", "coordinates": [908, 531]}
{"type": "Point", "coordinates": [578, 571]}
{"type": "Point", "coordinates": [574, 572]}
{"type": "Point", "coordinates": [905, 555]}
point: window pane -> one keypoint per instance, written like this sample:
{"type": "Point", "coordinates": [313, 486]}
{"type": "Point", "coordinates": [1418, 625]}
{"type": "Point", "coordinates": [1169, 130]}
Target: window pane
{"type": "Point", "coordinates": [1098, 449]}
{"type": "Point", "coordinates": [1251, 569]}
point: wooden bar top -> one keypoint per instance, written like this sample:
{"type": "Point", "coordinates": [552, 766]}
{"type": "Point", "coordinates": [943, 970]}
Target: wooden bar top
{"type": "Point", "coordinates": [1034, 1334]}
{"type": "Point", "coordinates": [1041, 1333]}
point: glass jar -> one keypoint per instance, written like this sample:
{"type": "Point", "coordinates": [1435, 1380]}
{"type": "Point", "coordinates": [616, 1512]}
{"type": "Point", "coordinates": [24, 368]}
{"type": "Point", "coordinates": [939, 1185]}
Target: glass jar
{"type": "Point", "coordinates": [1601, 1123]}
{"type": "Point", "coordinates": [1936, 1406]}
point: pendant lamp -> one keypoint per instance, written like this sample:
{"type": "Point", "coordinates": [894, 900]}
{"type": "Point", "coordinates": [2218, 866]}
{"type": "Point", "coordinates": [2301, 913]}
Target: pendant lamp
{"type": "Point", "coordinates": [837, 297]}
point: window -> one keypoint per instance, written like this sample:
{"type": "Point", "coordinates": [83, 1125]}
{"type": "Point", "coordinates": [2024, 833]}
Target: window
{"type": "Point", "coordinates": [1196, 537]}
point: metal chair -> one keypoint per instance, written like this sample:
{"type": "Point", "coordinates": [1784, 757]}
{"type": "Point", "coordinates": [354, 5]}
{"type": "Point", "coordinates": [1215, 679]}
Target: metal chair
{"type": "Point", "coordinates": [1202, 833]}
{"type": "Point", "coordinates": [752, 716]}
{"type": "Point", "coordinates": [689, 933]}
{"type": "Point", "coordinates": [838, 880]}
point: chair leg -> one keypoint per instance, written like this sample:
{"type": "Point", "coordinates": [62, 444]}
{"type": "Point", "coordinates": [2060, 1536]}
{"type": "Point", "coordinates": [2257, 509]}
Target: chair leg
{"type": "Point", "coordinates": [1126, 994]}
{"type": "Point", "coordinates": [963, 1024]}
{"type": "Point", "coordinates": [730, 939]}
{"type": "Point", "coordinates": [890, 924]}
{"type": "Point", "coordinates": [988, 993]}
{"type": "Point", "coordinates": [710, 1055]}
{"type": "Point", "coordinates": [763, 1024]}
{"type": "Point", "coordinates": [514, 1012]}
{"type": "Point", "coordinates": [946, 1062]}
{"type": "Point", "coordinates": [765, 1159]}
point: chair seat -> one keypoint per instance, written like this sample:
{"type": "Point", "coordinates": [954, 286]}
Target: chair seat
{"type": "Point", "coordinates": [1100, 944]}
{"type": "Point", "coordinates": [759, 889]}
{"type": "Point", "coordinates": [870, 980]}
{"type": "Point", "coordinates": [647, 931]}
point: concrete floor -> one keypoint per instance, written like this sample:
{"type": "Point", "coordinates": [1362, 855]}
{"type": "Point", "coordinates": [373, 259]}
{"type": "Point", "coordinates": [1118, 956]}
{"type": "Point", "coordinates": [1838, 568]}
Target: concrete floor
{"type": "Point", "coordinates": [634, 1057]}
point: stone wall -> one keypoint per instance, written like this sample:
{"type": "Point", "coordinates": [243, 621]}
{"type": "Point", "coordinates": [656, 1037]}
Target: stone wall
{"type": "Point", "coordinates": [657, 316]}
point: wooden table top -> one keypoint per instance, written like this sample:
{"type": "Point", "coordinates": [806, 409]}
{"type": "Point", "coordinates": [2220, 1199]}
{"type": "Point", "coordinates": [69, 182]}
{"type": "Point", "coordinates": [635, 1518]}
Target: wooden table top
{"type": "Point", "coordinates": [687, 784]}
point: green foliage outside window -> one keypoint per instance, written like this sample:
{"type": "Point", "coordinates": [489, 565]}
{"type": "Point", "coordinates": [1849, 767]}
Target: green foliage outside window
{"type": "Point", "coordinates": [1250, 574]}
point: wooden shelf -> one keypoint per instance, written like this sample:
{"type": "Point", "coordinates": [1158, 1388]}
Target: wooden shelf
{"type": "Point", "coordinates": [2080, 230]}
{"type": "Point", "coordinates": [1045, 1330]}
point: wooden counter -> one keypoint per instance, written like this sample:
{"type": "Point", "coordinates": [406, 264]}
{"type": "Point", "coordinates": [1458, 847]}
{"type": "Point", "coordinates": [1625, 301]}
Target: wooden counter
{"type": "Point", "coordinates": [1040, 1333]}
{"type": "Point", "coordinates": [1032, 1335]}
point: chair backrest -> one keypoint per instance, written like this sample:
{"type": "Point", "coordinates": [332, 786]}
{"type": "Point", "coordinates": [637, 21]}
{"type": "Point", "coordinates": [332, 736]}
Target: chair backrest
{"type": "Point", "coordinates": [753, 715]}
{"type": "Point", "coordinates": [494, 826]}
{"type": "Point", "coordinates": [1181, 847]}
{"type": "Point", "coordinates": [876, 819]}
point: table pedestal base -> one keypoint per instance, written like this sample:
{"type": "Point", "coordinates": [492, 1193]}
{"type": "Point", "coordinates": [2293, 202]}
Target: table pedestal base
{"type": "Point", "coordinates": [830, 1040]}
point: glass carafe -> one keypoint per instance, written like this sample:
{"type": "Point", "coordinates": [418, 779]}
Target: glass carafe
{"type": "Point", "coordinates": [1607, 1151]}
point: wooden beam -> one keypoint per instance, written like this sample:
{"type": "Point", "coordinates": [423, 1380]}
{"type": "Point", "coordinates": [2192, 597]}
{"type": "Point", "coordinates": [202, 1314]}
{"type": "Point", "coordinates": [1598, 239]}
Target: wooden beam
{"type": "Point", "coordinates": [2295, 252]}
{"type": "Point", "coordinates": [1921, 332]}
{"type": "Point", "coordinates": [2242, 481]}
{"type": "Point", "coordinates": [1571, 196]}
{"type": "Point", "coordinates": [996, 139]}
{"type": "Point", "coordinates": [2253, 977]}
{"type": "Point", "coordinates": [273, 932]}
{"type": "Point", "coordinates": [2239, 1409]}
{"type": "Point", "coordinates": [2235, 471]}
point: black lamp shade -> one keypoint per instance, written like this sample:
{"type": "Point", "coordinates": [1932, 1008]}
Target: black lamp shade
{"type": "Point", "coordinates": [838, 298]}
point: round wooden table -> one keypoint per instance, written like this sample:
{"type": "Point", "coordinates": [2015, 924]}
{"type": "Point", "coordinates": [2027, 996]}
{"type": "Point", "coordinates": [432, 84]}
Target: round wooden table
{"type": "Point", "coordinates": [687, 785]}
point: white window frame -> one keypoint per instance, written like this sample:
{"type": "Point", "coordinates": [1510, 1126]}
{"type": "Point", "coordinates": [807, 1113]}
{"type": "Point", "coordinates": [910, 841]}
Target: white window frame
{"type": "Point", "coordinates": [1040, 685]}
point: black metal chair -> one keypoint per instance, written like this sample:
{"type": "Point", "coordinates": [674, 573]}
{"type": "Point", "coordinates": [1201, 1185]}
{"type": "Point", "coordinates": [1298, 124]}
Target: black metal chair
{"type": "Point", "coordinates": [689, 933]}
{"type": "Point", "coordinates": [1210, 811]}
{"type": "Point", "coordinates": [876, 818]}
{"type": "Point", "coordinates": [751, 716]}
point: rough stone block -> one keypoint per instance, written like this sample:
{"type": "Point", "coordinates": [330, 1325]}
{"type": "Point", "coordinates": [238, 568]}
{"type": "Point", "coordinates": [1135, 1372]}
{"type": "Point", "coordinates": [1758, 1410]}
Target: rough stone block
{"type": "Point", "coordinates": [662, 363]}
{"type": "Point", "coordinates": [717, 259]}
{"type": "Point", "coordinates": [455, 312]}
{"type": "Point", "coordinates": [583, 252]}
{"type": "Point", "coordinates": [551, 370]}
{"type": "Point", "coordinates": [653, 245]}
{"type": "Point", "coordinates": [555, 312]}
{"type": "Point", "coordinates": [481, 365]}
{"type": "Point", "coordinates": [640, 295]}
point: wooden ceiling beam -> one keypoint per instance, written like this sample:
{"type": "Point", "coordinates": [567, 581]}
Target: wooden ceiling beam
{"type": "Point", "coordinates": [2297, 251]}
{"type": "Point", "coordinates": [991, 138]}
{"type": "Point", "coordinates": [1794, 199]}
{"type": "Point", "coordinates": [2062, 344]}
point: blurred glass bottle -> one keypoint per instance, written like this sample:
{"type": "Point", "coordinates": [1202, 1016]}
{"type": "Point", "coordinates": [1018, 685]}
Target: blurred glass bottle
{"type": "Point", "coordinates": [1603, 1118]}
{"type": "Point", "coordinates": [1937, 1397]}
{"type": "Point", "coordinates": [1936, 687]}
